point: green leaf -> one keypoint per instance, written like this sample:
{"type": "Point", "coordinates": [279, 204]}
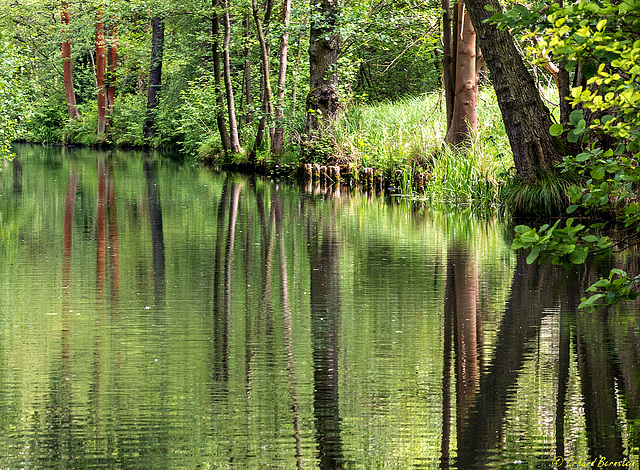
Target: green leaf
{"type": "Point", "coordinates": [586, 303]}
{"type": "Point", "coordinates": [535, 251]}
{"type": "Point", "coordinates": [589, 69]}
{"type": "Point", "coordinates": [578, 256]}
{"type": "Point", "coordinates": [598, 173]}
{"type": "Point", "coordinates": [576, 116]}
{"type": "Point", "coordinates": [590, 238]}
{"type": "Point", "coordinates": [572, 208]}
{"type": "Point", "coordinates": [556, 129]}
{"type": "Point", "coordinates": [583, 157]}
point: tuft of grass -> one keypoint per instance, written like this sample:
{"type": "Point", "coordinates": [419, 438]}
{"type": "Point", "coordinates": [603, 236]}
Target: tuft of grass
{"type": "Point", "coordinates": [548, 197]}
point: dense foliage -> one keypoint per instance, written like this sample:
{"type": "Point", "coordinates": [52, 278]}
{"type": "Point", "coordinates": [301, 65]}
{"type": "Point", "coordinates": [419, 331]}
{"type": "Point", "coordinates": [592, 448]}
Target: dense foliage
{"type": "Point", "coordinates": [601, 42]}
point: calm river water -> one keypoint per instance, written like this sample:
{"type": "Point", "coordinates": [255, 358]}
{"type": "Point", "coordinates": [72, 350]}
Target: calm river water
{"type": "Point", "coordinates": [159, 315]}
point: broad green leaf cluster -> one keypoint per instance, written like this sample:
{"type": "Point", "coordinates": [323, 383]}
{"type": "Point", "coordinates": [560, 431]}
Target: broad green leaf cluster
{"type": "Point", "coordinates": [598, 43]}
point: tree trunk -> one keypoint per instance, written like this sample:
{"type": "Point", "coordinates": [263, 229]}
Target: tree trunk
{"type": "Point", "coordinates": [67, 67]}
{"type": "Point", "coordinates": [324, 42]}
{"type": "Point", "coordinates": [112, 64]}
{"type": "Point", "coordinates": [526, 118]}
{"type": "Point", "coordinates": [464, 118]}
{"type": "Point", "coordinates": [296, 65]}
{"type": "Point", "coordinates": [448, 77]}
{"type": "Point", "coordinates": [155, 75]}
{"type": "Point", "coordinates": [231, 107]}
{"type": "Point", "coordinates": [217, 77]}
{"type": "Point", "coordinates": [101, 60]}
{"type": "Point", "coordinates": [267, 96]}
{"type": "Point", "coordinates": [277, 139]}
{"type": "Point", "coordinates": [246, 79]}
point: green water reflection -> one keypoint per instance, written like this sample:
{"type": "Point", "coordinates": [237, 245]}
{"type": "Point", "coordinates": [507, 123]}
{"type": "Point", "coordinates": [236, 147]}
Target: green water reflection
{"type": "Point", "coordinates": [160, 315]}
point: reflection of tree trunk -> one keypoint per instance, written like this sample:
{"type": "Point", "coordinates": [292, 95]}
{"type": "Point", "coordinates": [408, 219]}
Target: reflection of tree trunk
{"type": "Point", "coordinates": [101, 231]}
{"type": "Point", "coordinates": [114, 241]}
{"type": "Point", "coordinates": [466, 344]}
{"type": "Point", "coordinates": [17, 177]}
{"type": "Point", "coordinates": [449, 314]}
{"type": "Point", "coordinates": [220, 338]}
{"type": "Point", "coordinates": [564, 347]}
{"type": "Point", "coordinates": [627, 344]}
{"type": "Point", "coordinates": [65, 387]}
{"type": "Point", "coordinates": [157, 238]}
{"type": "Point", "coordinates": [595, 365]}
{"type": "Point", "coordinates": [101, 255]}
{"type": "Point", "coordinates": [288, 330]}
{"type": "Point", "coordinates": [325, 316]}
{"type": "Point", "coordinates": [532, 291]}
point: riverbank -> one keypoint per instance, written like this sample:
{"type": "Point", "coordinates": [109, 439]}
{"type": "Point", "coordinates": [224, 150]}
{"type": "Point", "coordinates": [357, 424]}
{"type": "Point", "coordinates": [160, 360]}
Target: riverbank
{"type": "Point", "coordinates": [398, 146]}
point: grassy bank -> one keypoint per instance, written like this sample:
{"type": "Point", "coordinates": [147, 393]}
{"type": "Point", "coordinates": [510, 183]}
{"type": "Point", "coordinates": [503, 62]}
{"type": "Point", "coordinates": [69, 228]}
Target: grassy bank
{"type": "Point", "coordinates": [408, 135]}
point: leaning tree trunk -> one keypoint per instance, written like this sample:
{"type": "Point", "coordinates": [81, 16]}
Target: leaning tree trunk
{"type": "Point", "coordinates": [324, 43]}
{"type": "Point", "coordinates": [155, 76]}
{"type": "Point", "coordinates": [526, 118]}
{"type": "Point", "coordinates": [277, 139]}
{"type": "Point", "coordinates": [101, 60]}
{"type": "Point", "coordinates": [67, 67]}
{"type": "Point", "coordinates": [464, 112]}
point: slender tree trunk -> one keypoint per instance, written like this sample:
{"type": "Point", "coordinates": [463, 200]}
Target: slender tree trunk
{"type": "Point", "coordinates": [217, 77]}
{"type": "Point", "coordinates": [67, 67]}
{"type": "Point", "coordinates": [324, 44]}
{"type": "Point", "coordinates": [526, 118]}
{"type": "Point", "coordinates": [112, 64]}
{"type": "Point", "coordinates": [267, 96]}
{"type": "Point", "coordinates": [277, 139]}
{"type": "Point", "coordinates": [464, 119]}
{"type": "Point", "coordinates": [231, 107]}
{"type": "Point", "coordinates": [246, 79]}
{"type": "Point", "coordinates": [101, 60]}
{"type": "Point", "coordinates": [296, 65]}
{"type": "Point", "coordinates": [448, 77]}
{"type": "Point", "coordinates": [155, 75]}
